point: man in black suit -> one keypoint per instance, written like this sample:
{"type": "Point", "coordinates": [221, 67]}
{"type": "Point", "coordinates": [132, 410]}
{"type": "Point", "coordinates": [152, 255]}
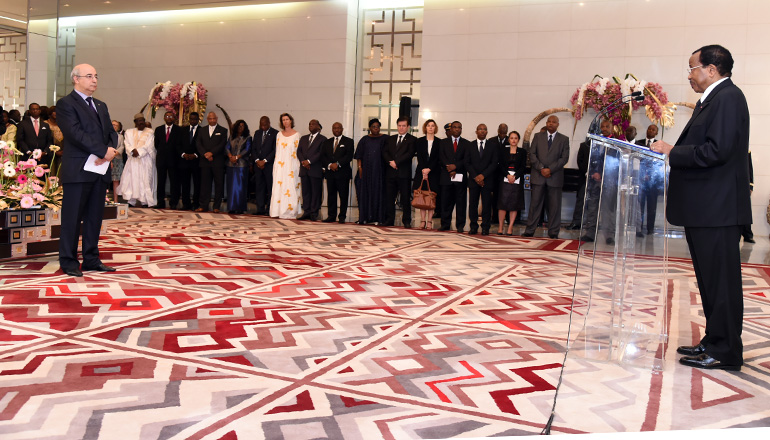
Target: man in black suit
{"type": "Point", "coordinates": [397, 155]}
{"type": "Point", "coordinates": [548, 154]}
{"type": "Point", "coordinates": [748, 235]}
{"type": "Point", "coordinates": [454, 189]}
{"type": "Point", "coordinates": [500, 143]}
{"type": "Point", "coordinates": [651, 184]}
{"type": "Point", "coordinates": [481, 163]}
{"type": "Point", "coordinates": [311, 170]}
{"type": "Point", "coordinates": [211, 143]}
{"type": "Point", "coordinates": [336, 154]}
{"type": "Point", "coordinates": [87, 128]}
{"type": "Point", "coordinates": [262, 158]}
{"type": "Point", "coordinates": [34, 134]}
{"type": "Point", "coordinates": [168, 138]}
{"type": "Point", "coordinates": [709, 195]}
{"type": "Point", "coordinates": [188, 164]}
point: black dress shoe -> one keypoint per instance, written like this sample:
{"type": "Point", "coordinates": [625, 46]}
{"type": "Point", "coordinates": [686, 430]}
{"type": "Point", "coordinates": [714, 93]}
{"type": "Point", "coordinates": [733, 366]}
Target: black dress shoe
{"type": "Point", "coordinates": [573, 227]}
{"type": "Point", "coordinates": [554, 236]}
{"type": "Point", "coordinates": [639, 234]}
{"type": "Point", "coordinates": [473, 231]}
{"type": "Point", "coordinates": [587, 239]}
{"type": "Point", "coordinates": [342, 220]}
{"type": "Point", "coordinates": [73, 272]}
{"type": "Point", "coordinates": [610, 240]}
{"type": "Point", "coordinates": [408, 225]}
{"type": "Point", "coordinates": [328, 220]}
{"type": "Point", "coordinates": [101, 267]}
{"type": "Point", "coordinates": [691, 350]}
{"type": "Point", "coordinates": [527, 234]}
{"type": "Point", "coordinates": [707, 362]}
{"type": "Point", "coordinates": [304, 217]}
{"type": "Point", "coordinates": [443, 228]}
{"type": "Point", "coordinates": [460, 230]}
{"type": "Point", "coordinates": [748, 240]}
{"type": "Point", "coordinates": [484, 232]}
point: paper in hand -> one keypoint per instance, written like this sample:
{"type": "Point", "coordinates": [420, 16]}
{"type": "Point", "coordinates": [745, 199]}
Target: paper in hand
{"type": "Point", "coordinates": [92, 167]}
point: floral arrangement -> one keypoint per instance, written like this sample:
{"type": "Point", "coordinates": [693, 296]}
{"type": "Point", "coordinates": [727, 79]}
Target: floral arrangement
{"type": "Point", "coordinates": [180, 99]}
{"type": "Point", "coordinates": [25, 183]}
{"type": "Point", "coordinates": [599, 93]}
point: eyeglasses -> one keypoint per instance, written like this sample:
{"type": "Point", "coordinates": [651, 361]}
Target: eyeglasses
{"type": "Point", "coordinates": [89, 76]}
{"type": "Point", "coordinates": [690, 69]}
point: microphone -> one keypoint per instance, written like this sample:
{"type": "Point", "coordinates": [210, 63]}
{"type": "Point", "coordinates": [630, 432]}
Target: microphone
{"type": "Point", "coordinates": [594, 128]}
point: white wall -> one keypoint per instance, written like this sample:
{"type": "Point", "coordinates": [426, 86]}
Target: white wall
{"type": "Point", "coordinates": [254, 60]}
{"type": "Point", "coordinates": [495, 61]}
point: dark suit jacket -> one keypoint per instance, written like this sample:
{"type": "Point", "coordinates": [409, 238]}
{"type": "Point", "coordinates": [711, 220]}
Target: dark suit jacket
{"type": "Point", "coordinates": [432, 161]}
{"type": "Point", "coordinates": [311, 153]}
{"type": "Point", "coordinates": [540, 156]}
{"type": "Point", "coordinates": [402, 154]}
{"type": "Point", "coordinates": [27, 140]}
{"type": "Point", "coordinates": [343, 156]}
{"type": "Point", "coordinates": [85, 133]}
{"type": "Point", "coordinates": [584, 152]}
{"type": "Point", "coordinates": [477, 164]}
{"type": "Point", "coordinates": [166, 152]}
{"type": "Point", "coordinates": [187, 146]}
{"type": "Point", "coordinates": [709, 179]}
{"type": "Point", "coordinates": [264, 150]}
{"type": "Point", "coordinates": [214, 144]}
{"type": "Point", "coordinates": [448, 156]}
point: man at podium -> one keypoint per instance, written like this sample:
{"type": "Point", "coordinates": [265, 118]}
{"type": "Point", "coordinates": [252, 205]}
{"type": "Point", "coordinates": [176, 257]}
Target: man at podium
{"type": "Point", "coordinates": [709, 195]}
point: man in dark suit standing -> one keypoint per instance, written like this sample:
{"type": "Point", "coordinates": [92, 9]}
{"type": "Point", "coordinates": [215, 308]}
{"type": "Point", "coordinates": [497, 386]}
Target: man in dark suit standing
{"type": "Point", "coordinates": [34, 134]}
{"type": "Point", "coordinates": [709, 195]}
{"type": "Point", "coordinates": [87, 128]}
{"type": "Point", "coordinates": [651, 184]}
{"type": "Point", "coordinates": [481, 163]}
{"type": "Point", "coordinates": [168, 138]}
{"type": "Point", "coordinates": [262, 158]}
{"type": "Point", "coordinates": [311, 170]}
{"type": "Point", "coordinates": [188, 165]}
{"type": "Point", "coordinates": [211, 148]}
{"type": "Point", "coordinates": [548, 154]}
{"type": "Point", "coordinates": [454, 189]}
{"type": "Point", "coordinates": [336, 154]}
{"type": "Point", "coordinates": [397, 155]}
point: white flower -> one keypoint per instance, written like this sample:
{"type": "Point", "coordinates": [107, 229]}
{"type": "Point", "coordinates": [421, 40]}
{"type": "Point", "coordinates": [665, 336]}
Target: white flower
{"type": "Point", "coordinates": [53, 148]}
{"type": "Point", "coordinates": [602, 87]}
{"type": "Point", "coordinates": [3, 204]}
{"type": "Point", "coordinates": [37, 154]}
{"type": "Point", "coordinates": [9, 172]}
{"type": "Point", "coordinates": [10, 165]}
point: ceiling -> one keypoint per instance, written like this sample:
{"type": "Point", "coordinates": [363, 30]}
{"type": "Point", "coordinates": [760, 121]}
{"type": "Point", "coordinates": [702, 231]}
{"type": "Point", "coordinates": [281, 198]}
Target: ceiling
{"type": "Point", "coordinates": [99, 7]}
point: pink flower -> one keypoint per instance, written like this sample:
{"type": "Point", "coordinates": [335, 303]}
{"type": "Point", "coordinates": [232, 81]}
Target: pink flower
{"type": "Point", "coordinates": [39, 172]}
{"type": "Point", "coordinates": [31, 163]}
{"type": "Point", "coordinates": [38, 197]}
{"type": "Point", "coordinates": [26, 202]}
{"type": "Point", "coordinates": [36, 187]}
{"type": "Point", "coordinates": [21, 179]}
{"type": "Point", "coordinates": [37, 154]}
{"type": "Point", "coordinates": [53, 180]}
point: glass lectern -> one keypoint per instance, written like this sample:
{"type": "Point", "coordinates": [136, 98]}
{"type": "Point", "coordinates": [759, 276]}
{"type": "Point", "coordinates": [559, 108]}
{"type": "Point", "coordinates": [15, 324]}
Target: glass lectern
{"type": "Point", "coordinates": [621, 290]}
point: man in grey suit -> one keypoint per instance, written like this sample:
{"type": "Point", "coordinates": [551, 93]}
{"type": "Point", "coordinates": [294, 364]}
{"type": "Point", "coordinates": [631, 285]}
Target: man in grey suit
{"type": "Point", "coordinates": [548, 154]}
{"type": "Point", "coordinates": [311, 172]}
{"type": "Point", "coordinates": [88, 131]}
{"type": "Point", "coordinates": [211, 143]}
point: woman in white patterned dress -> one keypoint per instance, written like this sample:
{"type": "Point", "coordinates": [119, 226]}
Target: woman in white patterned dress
{"type": "Point", "coordinates": [284, 202]}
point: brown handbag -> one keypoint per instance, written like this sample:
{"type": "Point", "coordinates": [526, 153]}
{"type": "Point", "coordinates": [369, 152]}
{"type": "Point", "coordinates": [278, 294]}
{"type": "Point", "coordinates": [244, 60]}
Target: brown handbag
{"type": "Point", "coordinates": [424, 199]}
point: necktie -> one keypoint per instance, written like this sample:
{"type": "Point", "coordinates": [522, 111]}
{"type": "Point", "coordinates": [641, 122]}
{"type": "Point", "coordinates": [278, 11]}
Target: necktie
{"type": "Point", "coordinates": [400, 138]}
{"type": "Point", "coordinates": [37, 127]}
{"type": "Point", "coordinates": [90, 102]}
{"type": "Point", "coordinates": [310, 140]}
{"type": "Point", "coordinates": [697, 105]}
{"type": "Point", "coordinates": [649, 143]}
{"type": "Point", "coordinates": [168, 132]}
{"type": "Point", "coordinates": [550, 140]}
{"type": "Point", "coordinates": [455, 145]}
{"type": "Point", "coordinates": [336, 144]}
{"type": "Point", "coordinates": [192, 133]}
{"type": "Point", "coordinates": [264, 135]}
{"type": "Point", "coordinates": [481, 148]}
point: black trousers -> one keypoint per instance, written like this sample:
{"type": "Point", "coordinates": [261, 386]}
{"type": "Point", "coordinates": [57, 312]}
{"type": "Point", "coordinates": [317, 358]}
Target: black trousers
{"type": "Point", "coordinates": [335, 187]}
{"type": "Point", "coordinates": [580, 198]}
{"type": "Point", "coordinates": [263, 186]}
{"type": "Point", "coordinates": [167, 168]}
{"type": "Point", "coordinates": [539, 195]}
{"type": "Point", "coordinates": [476, 192]}
{"type": "Point", "coordinates": [398, 186]}
{"type": "Point", "coordinates": [217, 174]}
{"type": "Point", "coordinates": [185, 175]}
{"type": "Point", "coordinates": [454, 197]}
{"type": "Point", "coordinates": [716, 259]}
{"type": "Point", "coordinates": [312, 191]}
{"type": "Point", "coordinates": [649, 197]}
{"type": "Point", "coordinates": [81, 202]}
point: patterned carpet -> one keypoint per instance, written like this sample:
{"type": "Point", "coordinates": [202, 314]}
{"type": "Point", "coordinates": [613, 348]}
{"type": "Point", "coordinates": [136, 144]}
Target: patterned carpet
{"type": "Point", "coordinates": [242, 327]}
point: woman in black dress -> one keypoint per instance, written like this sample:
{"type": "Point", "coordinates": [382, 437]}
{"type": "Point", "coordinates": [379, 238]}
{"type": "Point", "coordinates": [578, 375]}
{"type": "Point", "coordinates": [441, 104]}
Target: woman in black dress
{"type": "Point", "coordinates": [370, 178]}
{"type": "Point", "coordinates": [427, 150]}
{"type": "Point", "coordinates": [513, 162]}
